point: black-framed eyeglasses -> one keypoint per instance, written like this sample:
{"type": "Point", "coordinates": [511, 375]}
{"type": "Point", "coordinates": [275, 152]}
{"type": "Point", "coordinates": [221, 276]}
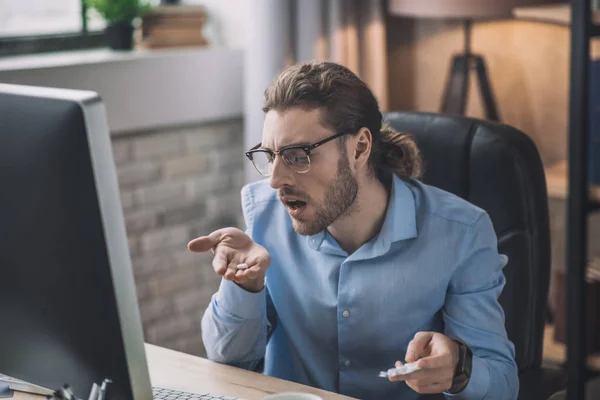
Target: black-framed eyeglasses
{"type": "Point", "coordinates": [297, 157]}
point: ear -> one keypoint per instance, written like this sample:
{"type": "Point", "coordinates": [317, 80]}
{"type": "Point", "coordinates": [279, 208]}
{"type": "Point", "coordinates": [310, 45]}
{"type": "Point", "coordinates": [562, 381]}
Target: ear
{"type": "Point", "coordinates": [363, 143]}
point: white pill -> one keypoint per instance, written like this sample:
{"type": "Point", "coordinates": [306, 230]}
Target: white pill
{"type": "Point", "coordinates": [242, 266]}
{"type": "Point", "coordinates": [400, 370]}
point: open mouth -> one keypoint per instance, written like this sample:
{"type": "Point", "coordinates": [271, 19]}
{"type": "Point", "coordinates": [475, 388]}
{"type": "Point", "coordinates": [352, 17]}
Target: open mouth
{"type": "Point", "coordinates": [294, 206]}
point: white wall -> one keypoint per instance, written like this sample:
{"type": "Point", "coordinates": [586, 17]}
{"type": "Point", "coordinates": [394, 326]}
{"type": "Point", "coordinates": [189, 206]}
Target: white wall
{"type": "Point", "coordinates": [195, 85]}
{"type": "Point", "coordinates": [227, 21]}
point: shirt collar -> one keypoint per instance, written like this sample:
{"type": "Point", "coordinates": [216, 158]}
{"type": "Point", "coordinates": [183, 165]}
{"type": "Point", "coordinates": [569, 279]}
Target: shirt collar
{"type": "Point", "coordinates": [401, 218]}
{"type": "Point", "coordinates": [400, 221]}
{"type": "Point", "coordinates": [314, 241]}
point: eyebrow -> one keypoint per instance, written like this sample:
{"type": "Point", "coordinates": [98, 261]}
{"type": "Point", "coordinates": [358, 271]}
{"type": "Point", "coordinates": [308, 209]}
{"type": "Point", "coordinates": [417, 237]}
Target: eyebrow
{"type": "Point", "coordinates": [298, 144]}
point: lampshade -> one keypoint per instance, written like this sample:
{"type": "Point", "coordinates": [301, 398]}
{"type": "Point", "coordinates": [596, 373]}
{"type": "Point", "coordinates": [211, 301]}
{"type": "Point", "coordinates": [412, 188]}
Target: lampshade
{"type": "Point", "coordinates": [460, 8]}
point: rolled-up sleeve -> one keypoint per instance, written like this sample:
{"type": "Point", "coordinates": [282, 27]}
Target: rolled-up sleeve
{"type": "Point", "coordinates": [235, 324]}
{"type": "Point", "coordinates": [473, 314]}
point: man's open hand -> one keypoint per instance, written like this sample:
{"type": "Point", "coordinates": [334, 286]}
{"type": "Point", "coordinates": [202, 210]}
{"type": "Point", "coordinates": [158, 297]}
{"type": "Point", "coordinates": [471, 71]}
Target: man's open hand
{"type": "Point", "coordinates": [437, 355]}
{"type": "Point", "coordinates": [231, 248]}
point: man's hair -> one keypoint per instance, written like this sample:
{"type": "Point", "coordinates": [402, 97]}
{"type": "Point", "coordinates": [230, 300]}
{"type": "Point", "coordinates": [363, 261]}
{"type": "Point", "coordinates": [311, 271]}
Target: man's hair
{"type": "Point", "coordinates": [348, 105]}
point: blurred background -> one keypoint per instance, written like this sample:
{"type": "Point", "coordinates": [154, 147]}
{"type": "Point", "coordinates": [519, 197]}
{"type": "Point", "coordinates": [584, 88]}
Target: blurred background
{"type": "Point", "coordinates": [183, 80]}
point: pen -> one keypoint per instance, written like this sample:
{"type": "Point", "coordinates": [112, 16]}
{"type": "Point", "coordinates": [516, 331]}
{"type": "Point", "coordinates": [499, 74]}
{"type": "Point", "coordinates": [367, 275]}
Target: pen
{"type": "Point", "coordinates": [102, 395]}
{"type": "Point", "coordinates": [94, 392]}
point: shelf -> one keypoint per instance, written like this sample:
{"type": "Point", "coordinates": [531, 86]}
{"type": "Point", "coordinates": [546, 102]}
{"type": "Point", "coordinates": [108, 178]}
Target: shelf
{"type": "Point", "coordinates": [557, 184]}
{"type": "Point", "coordinates": [555, 352]}
{"type": "Point", "coordinates": [561, 15]}
{"type": "Point", "coordinates": [553, 14]}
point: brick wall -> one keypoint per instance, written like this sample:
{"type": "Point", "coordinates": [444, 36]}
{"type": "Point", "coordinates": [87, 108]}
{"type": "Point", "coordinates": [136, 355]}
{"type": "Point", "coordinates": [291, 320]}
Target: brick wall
{"type": "Point", "coordinates": [175, 185]}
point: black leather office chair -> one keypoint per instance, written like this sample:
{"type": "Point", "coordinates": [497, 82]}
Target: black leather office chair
{"type": "Point", "coordinates": [498, 168]}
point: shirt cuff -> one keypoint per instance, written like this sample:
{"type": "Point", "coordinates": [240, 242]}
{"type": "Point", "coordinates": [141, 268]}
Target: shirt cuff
{"type": "Point", "coordinates": [239, 302]}
{"type": "Point", "coordinates": [478, 384]}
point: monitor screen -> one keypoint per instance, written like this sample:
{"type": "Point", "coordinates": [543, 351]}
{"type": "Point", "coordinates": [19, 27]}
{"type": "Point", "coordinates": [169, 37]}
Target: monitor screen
{"type": "Point", "coordinates": [69, 309]}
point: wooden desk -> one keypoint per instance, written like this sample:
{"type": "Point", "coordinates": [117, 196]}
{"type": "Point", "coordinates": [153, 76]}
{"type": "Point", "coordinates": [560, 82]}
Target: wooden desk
{"type": "Point", "coordinates": [181, 371]}
{"type": "Point", "coordinates": [175, 370]}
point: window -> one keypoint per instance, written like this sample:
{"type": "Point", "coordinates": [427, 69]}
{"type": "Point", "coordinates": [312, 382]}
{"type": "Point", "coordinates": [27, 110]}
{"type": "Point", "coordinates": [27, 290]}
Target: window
{"type": "Point", "coordinates": [31, 26]}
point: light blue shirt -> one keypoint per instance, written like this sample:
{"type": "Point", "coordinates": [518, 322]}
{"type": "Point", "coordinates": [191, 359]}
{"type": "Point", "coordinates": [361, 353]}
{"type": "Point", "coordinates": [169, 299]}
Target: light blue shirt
{"type": "Point", "coordinates": [339, 319]}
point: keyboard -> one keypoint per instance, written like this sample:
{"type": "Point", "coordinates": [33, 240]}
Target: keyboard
{"type": "Point", "coordinates": [169, 394]}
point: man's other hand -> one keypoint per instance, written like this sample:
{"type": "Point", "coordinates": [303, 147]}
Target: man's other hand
{"type": "Point", "coordinates": [437, 357]}
{"type": "Point", "coordinates": [236, 257]}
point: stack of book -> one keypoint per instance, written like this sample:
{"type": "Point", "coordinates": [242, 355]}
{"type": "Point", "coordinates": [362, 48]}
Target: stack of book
{"type": "Point", "coordinates": [173, 26]}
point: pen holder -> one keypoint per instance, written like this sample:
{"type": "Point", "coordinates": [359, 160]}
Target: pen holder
{"type": "Point", "coordinates": [64, 393]}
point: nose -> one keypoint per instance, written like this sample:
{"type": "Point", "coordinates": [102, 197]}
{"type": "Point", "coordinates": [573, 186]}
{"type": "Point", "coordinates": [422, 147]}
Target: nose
{"type": "Point", "coordinates": [281, 174]}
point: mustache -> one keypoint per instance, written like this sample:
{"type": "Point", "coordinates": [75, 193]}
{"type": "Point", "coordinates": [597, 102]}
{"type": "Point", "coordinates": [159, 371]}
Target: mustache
{"type": "Point", "coordinates": [288, 191]}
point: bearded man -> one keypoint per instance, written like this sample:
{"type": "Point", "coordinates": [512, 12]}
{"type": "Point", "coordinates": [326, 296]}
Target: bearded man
{"type": "Point", "coordinates": [351, 265]}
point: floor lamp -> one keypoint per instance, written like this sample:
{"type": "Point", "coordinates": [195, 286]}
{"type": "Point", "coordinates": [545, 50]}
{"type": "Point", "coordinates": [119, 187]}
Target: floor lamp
{"type": "Point", "coordinates": [457, 85]}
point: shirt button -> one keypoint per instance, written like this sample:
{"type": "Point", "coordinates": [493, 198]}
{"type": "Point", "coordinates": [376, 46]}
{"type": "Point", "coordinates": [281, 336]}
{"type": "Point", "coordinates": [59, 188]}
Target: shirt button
{"type": "Point", "coordinates": [346, 313]}
{"type": "Point", "coordinates": [347, 363]}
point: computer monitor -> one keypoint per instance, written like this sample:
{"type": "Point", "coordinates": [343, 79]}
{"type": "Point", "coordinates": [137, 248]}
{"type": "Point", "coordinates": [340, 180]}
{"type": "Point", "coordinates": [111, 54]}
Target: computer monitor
{"type": "Point", "coordinates": [69, 312]}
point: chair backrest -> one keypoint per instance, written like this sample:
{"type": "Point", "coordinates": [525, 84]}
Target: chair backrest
{"type": "Point", "coordinates": [497, 168]}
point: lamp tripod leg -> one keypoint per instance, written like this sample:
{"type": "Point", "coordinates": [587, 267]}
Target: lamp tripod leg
{"type": "Point", "coordinates": [455, 95]}
{"type": "Point", "coordinates": [489, 103]}
{"type": "Point", "coordinates": [457, 87]}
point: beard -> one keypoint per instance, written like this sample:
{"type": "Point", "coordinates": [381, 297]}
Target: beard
{"type": "Point", "coordinates": [337, 203]}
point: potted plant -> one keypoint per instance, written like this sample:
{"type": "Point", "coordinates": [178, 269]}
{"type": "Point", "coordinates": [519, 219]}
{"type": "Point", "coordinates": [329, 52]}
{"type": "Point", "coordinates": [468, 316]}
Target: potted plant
{"type": "Point", "coordinates": [119, 16]}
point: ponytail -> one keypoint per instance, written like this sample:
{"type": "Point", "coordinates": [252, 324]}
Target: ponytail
{"type": "Point", "coordinates": [398, 153]}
